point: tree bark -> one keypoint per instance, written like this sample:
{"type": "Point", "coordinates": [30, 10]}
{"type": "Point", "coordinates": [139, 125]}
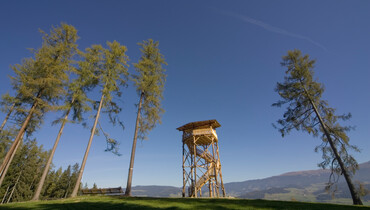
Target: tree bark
{"type": "Point", "coordinates": [47, 166]}
{"type": "Point", "coordinates": [130, 170]}
{"type": "Point", "coordinates": [20, 133]}
{"type": "Point", "coordinates": [7, 117]}
{"type": "Point", "coordinates": [10, 160]}
{"type": "Point", "coordinates": [355, 196]}
{"type": "Point", "coordinates": [77, 185]}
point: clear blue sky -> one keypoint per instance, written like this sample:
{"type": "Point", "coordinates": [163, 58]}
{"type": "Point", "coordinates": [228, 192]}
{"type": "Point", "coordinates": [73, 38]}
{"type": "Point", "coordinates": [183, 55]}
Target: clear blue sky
{"type": "Point", "coordinates": [224, 62]}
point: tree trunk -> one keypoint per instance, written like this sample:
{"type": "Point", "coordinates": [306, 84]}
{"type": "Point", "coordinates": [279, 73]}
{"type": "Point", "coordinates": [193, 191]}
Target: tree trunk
{"type": "Point", "coordinates": [7, 117]}
{"type": "Point", "coordinates": [355, 196]}
{"type": "Point", "coordinates": [20, 133]}
{"type": "Point", "coordinates": [130, 170]}
{"type": "Point", "coordinates": [10, 160]}
{"type": "Point", "coordinates": [69, 184]}
{"type": "Point", "coordinates": [77, 185]}
{"type": "Point", "coordinates": [6, 192]}
{"type": "Point", "coordinates": [47, 166]}
{"type": "Point", "coordinates": [15, 185]}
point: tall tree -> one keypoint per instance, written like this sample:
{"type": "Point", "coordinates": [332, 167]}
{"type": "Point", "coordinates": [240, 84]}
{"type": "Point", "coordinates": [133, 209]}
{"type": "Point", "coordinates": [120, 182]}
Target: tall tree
{"type": "Point", "coordinates": [41, 80]}
{"type": "Point", "coordinates": [306, 111]}
{"type": "Point", "coordinates": [110, 68]}
{"type": "Point", "coordinates": [18, 118]}
{"type": "Point", "coordinates": [149, 84]}
{"type": "Point", "coordinates": [76, 100]}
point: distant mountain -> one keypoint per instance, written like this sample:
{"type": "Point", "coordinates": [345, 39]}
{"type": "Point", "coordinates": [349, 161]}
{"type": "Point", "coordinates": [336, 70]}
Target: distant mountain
{"type": "Point", "coordinates": [299, 185]}
{"type": "Point", "coordinates": [299, 179]}
{"type": "Point", "coordinates": [156, 191]}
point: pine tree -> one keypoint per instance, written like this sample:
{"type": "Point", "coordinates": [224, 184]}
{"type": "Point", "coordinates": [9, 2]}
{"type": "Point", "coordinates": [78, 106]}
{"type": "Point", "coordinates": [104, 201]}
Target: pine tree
{"type": "Point", "coordinates": [95, 187]}
{"type": "Point", "coordinates": [76, 100]}
{"type": "Point", "coordinates": [24, 172]}
{"type": "Point", "coordinates": [62, 184]}
{"type": "Point", "coordinates": [41, 80]}
{"type": "Point", "coordinates": [72, 180]}
{"type": "Point", "coordinates": [149, 84]}
{"type": "Point", "coordinates": [50, 184]}
{"type": "Point", "coordinates": [110, 68]}
{"type": "Point", "coordinates": [306, 111]}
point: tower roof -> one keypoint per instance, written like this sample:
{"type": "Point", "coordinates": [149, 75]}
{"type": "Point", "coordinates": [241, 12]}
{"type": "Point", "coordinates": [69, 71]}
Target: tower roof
{"type": "Point", "coordinates": [200, 124]}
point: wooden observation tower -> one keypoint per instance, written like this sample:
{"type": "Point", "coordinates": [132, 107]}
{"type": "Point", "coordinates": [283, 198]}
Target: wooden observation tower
{"type": "Point", "coordinates": [200, 159]}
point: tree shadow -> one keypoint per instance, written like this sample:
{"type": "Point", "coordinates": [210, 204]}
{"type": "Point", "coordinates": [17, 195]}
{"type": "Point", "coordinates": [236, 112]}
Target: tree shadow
{"type": "Point", "coordinates": [145, 203]}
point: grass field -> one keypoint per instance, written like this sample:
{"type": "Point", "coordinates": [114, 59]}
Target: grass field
{"type": "Point", "coordinates": [117, 202]}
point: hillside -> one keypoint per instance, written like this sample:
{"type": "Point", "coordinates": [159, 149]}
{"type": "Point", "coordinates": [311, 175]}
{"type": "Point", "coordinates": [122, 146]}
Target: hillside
{"type": "Point", "coordinates": [300, 185]}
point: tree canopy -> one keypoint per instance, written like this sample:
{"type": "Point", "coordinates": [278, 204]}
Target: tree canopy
{"type": "Point", "coordinates": [306, 111]}
{"type": "Point", "coordinates": [149, 81]}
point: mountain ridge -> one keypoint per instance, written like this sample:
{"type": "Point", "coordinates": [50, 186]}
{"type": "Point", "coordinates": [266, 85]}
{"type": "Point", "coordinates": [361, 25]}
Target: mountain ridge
{"type": "Point", "coordinates": [308, 185]}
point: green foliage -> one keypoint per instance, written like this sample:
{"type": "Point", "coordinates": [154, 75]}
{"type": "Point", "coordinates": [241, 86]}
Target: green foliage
{"type": "Point", "coordinates": [108, 69]}
{"type": "Point", "coordinates": [6, 136]}
{"type": "Point", "coordinates": [300, 92]}
{"type": "Point", "coordinates": [24, 173]}
{"type": "Point", "coordinates": [43, 78]}
{"type": "Point", "coordinates": [76, 98]}
{"type": "Point", "coordinates": [47, 73]}
{"type": "Point", "coordinates": [59, 184]}
{"type": "Point", "coordinates": [26, 169]}
{"type": "Point", "coordinates": [149, 81]}
{"type": "Point", "coordinates": [7, 102]}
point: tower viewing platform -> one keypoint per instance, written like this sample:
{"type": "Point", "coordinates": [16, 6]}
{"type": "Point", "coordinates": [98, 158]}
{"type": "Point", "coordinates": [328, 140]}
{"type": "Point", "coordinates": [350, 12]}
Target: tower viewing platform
{"type": "Point", "coordinates": [203, 130]}
{"type": "Point", "coordinates": [201, 161]}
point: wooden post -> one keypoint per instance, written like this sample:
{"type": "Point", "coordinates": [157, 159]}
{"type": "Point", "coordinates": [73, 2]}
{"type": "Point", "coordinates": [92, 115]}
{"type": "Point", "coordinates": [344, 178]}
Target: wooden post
{"type": "Point", "coordinates": [195, 168]}
{"type": "Point", "coordinates": [210, 187]}
{"type": "Point", "coordinates": [191, 188]}
{"type": "Point", "coordinates": [215, 168]}
{"type": "Point", "coordinates": [183, 169]}
{"type": "Point", "coordinates": [222, 183]}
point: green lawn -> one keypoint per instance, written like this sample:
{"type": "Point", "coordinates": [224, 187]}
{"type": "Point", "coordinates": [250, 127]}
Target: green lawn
{"type": "Point", "coordinates": [117, 202]}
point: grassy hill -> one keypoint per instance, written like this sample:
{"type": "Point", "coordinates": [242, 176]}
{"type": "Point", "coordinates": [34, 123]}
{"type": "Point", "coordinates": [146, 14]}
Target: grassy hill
{"type": "Point", "coordinates": [118, 202]}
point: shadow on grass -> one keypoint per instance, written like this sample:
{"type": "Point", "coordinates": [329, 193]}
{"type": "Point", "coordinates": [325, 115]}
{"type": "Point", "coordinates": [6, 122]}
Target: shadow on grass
{"type": "Point", "coordinates": [117, 202]}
